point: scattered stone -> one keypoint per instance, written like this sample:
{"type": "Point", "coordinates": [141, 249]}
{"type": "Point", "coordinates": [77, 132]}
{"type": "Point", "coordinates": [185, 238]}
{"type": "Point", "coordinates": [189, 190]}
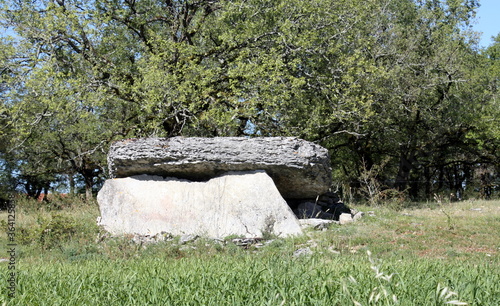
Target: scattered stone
{"type": "Point", "coordinates": [476, 209]}
{"type": "Point", "coordinates": [147, 239]}
{"type": "Point", "coordinates": [219, 241]}
{"type": "Point", "coordinates": [238, 203]}
{"type": "Point", "coordinates": [187, 238]}
{"type": "Point", "coordinates": [300, 169]}
{"type": "Point", "coordinates": [345, 218]}
{"type": "Point", "coordinates": [358, 216]}
{"type": "Point", "coordinates": [337, 209]}
{"type": "Point", "coordinates": [303, 252]}
{"type": "Point", "coordinates": [318, 224]}
{"type": "Point", "coordinates": [246, 242]}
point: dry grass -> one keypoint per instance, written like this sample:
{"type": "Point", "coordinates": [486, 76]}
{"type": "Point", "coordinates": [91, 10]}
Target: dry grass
{"type": "Point", "coordinates": [462, 230]}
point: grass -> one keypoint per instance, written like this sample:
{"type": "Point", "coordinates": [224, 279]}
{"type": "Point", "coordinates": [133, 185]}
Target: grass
{"type": "Point", "coordinates": [428, 254]}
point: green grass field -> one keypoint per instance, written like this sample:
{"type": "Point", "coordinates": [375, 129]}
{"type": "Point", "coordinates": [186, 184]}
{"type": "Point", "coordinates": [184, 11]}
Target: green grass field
{"type": "Point", "coordinates": [428, 254]}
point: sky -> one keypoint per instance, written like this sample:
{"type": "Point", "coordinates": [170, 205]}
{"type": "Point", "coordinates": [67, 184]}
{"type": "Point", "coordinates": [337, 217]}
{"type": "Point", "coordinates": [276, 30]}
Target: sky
{"type": "Point", "coordinates": [488, 21]}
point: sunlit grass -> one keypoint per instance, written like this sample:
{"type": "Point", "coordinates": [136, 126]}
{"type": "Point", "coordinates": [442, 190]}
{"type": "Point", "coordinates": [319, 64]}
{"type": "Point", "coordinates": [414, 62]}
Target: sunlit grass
{"type": "Point", "coordinates": [426, 255]}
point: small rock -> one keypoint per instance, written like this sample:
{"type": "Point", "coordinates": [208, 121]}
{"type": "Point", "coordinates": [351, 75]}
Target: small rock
{"type": "Point", "coordinates": [337, 209]}
{"type": "Point", "coordinates": [269, 241]}
{"type": "Point", "coordinates": [318, 224]}
{"type": "Point", "coordinates": [345, 218]}
{"type": "Point", "coordinates": [303, 252]}
{"type": "Point", "coordinates": [371, 213]}
{"type": "Point", "coordinates": [146, 239]}
{"type": "Point", "coordinates": [187, 238]}
{"type": "Point", "coordinates": [245, 242]}
{"type": "Point", "coordinates": [142, 239]}
{"type": "Point", "coordinates": [219, 242]}
{"type": "Point", "coordinates": [358, 215]}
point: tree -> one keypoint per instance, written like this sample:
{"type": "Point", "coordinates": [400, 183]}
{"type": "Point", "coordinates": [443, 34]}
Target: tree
{"type": "Point", "coordinates": [387, 85]}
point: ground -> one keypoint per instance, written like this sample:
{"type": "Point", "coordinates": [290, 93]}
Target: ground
{"type": "Point", "coordinates": [419, 254]}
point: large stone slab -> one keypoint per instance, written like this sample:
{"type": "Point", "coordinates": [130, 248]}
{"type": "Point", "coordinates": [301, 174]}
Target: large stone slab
{"type": "Point", "coordinates": [237, 203]}
{"type": "Point", "coordinates": [300, 169]}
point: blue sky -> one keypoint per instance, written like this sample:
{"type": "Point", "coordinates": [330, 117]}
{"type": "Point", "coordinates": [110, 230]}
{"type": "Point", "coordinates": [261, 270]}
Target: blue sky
{"type": "Point", "coordinates": [488, 21]}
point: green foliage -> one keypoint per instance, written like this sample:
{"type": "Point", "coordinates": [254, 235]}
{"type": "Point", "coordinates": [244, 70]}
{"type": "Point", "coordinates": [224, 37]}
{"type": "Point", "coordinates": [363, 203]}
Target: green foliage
{"type": "Point", "coordinates": [49, 225]}
{"type": "Point", "coordinates": [48, 232]}
{"type": "Point", "coordinates": [395, 83]}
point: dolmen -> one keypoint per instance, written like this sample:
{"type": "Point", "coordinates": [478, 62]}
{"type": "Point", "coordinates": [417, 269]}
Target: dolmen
{"type": "Point", "coordinates": [212, 187]}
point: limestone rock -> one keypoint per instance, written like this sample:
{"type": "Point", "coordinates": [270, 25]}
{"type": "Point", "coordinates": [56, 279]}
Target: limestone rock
{"type": "Point", "coordinates": [237, 203]}
{"type": "Point", "coordinates": [187, 238]}
{"type": "Point", "coordinates": [358, 215]}
{"type": "Point", "coordinates": [345, 218]}
{"type": "Point", "coordinates": [300, 169]}
{"type": "Point", "coordinates": [318, 224]}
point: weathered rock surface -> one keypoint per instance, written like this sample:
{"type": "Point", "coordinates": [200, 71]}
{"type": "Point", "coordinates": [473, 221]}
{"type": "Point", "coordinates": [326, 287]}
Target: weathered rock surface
{"type": "Point", "coordinates": [345, 218]}
{"type": "Point", "coordinates": [300, 169]}
{"type": "Point", "coordinates": [237, 203]}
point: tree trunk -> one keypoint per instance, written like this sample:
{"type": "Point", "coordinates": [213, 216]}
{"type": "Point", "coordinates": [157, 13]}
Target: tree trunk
{"type": "Point", "coordinates": [71, 178]}
{"type": "Point", "coordinates": [89, 183]}
{"type": "Point", "coordinates": [427, 176]}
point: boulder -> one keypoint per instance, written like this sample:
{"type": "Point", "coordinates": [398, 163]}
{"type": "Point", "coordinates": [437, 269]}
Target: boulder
{"type": "Point", "coordinates": [237, 203]}
{"type": "Point", "coordinates": [300, 169]}
{"type": "Point", "coordinates": [345, 218]}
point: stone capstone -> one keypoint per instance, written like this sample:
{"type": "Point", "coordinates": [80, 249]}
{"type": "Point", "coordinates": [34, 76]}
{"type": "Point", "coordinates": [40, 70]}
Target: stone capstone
{"type": "Point", "coordinates": [299, 169]}
{"type": "Point", "coordinates": [236, 203]}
